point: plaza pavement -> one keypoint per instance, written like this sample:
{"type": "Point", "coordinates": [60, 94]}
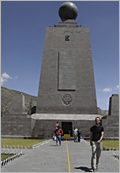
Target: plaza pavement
{"type": "Point", "coordinates": [49, 158]}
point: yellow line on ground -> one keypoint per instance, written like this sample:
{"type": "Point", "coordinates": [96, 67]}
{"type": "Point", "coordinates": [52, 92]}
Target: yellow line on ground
{"type": "Point", "coordinates": [69, 169]}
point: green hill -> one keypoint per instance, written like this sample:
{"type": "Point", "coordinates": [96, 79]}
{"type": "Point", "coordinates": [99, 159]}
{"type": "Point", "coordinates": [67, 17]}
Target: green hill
{"type": "Point", "coordinates": [7, 96]}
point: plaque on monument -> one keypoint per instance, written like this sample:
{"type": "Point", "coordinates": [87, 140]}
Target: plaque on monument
{"type": "Point", "coordinates": [67, 70]}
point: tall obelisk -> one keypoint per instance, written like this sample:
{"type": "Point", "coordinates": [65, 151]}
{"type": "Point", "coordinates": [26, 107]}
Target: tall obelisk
{"type": "Point", "coordinates": [67, 83]}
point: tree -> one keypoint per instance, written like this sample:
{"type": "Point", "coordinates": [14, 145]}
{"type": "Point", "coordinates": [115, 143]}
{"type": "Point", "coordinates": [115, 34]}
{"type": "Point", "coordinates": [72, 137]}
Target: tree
{"type": "Point", "coordinates": [4, 110]}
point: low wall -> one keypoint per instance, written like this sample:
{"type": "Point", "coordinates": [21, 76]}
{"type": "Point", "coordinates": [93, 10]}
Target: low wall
{"type": "Point", "coordinates": [111, 127]}
{"type": "Point", "coordinates": [15, 125]}
{"type": "Point", "coordinates": [46, 128]}
{"type": "Point", "coordinates": [23, 126]}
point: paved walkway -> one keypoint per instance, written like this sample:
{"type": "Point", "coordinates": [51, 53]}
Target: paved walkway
{"type": "Point", "coordinates": [49, 158]}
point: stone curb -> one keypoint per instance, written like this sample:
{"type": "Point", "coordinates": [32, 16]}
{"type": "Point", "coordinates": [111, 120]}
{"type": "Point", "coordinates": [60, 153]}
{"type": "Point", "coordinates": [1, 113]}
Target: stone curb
{"type": "Point", "coordinates": [17, 155]}
{"type": "Point", "coordinates": [41, 144]}
{"type": "Point", "coordinates": [10, 159]}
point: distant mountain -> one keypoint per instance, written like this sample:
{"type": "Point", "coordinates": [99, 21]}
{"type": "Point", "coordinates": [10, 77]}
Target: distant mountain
{"type": "Point", "coordinates": [7, 96]}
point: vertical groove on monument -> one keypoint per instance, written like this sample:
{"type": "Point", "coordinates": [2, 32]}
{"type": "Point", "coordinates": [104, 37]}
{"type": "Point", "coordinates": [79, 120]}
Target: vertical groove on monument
{"type": "Point", "coordinates": [67, 79]}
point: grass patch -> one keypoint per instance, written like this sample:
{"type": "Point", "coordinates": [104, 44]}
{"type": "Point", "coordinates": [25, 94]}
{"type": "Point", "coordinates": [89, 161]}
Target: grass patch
{"type": "Point", "coordinates": [109, 143]}
{"type": "Point", "coordinates": [20, 142]}
{"type": "Point", "coordinates": [4, 156]}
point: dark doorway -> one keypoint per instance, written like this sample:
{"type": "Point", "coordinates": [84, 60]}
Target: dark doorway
{"type": "Point", "coordinates": [67, 128]}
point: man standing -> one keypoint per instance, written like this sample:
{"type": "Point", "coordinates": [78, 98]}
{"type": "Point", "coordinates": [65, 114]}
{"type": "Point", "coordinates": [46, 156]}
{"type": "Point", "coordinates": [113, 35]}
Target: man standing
{"type": "Point", "coordinates": [96, 136]}
{"type": "Point", "coordinates": [75, 134]}
{"type": "Point", "coordinates": [58, 133]}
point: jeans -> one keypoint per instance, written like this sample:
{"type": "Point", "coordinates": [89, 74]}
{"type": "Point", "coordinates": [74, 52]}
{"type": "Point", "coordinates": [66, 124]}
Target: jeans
{"type": "Point", "coordinates": [58, 138]}
{"type": "Point", "coordinates": [96, 152]}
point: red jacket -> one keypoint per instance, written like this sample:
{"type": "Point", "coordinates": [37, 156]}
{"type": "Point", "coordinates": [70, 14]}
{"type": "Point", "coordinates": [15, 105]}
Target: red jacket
{"type": "Point", "coordinates": [58, 131]}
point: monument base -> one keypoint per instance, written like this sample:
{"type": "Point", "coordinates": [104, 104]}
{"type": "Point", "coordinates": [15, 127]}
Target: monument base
{"type": "Point", "coordinates": [43, 125]}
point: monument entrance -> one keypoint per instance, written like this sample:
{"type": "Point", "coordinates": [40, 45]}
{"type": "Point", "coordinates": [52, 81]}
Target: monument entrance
{"type": "Point", "coordinates": [67, 128]}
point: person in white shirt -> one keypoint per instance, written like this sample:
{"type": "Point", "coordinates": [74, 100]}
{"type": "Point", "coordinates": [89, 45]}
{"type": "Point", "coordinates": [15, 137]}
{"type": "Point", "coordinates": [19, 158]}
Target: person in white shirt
{"type": "Point", "coordinates": [75, 134]}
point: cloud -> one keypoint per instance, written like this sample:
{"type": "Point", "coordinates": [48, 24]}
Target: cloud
{"type": "Point", "coordinates": [5, 77]}
{"type": "Point", "coordinates": [15, 77]}
{"type": "Point", "coordinates": [117, 86]}
{"type": "Point", "coordinates": [2, 80]}
{"type": "Point", "coordinates": [107, 90]}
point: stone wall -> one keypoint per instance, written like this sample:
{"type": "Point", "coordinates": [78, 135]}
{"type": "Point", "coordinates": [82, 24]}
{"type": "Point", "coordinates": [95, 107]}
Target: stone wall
{"type": "Point", "coordinates": [111, 121]}
{"type": "Point", "coordinates": [114, 105]}
{"type": "Point", "coordinates": [23, 126]}
{"type": "Point", "coordinates": [37, 126]}
{"type": "Point", "coordinates": [46, 128]}
{"type": "Point", "coordinates": [111, 127]}
{"type": "Point", "coordinates": [18, 104]}
{"type": "Point", "coordinates": [15, 125]}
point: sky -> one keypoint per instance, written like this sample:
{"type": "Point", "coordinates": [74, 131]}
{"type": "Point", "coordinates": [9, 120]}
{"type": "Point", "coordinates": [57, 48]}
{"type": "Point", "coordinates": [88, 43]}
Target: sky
{"type": "Point", "coordinates": [23, 28]}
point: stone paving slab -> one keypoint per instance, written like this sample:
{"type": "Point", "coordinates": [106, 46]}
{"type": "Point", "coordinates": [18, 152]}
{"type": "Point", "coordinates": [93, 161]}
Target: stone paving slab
{"type": "Point", "coordinates": [49, 158]}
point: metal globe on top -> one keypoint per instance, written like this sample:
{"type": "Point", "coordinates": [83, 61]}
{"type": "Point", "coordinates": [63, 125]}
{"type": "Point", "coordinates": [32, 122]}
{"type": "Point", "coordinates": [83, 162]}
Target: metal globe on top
{"type": "Point", "coordinates": [68, 10]}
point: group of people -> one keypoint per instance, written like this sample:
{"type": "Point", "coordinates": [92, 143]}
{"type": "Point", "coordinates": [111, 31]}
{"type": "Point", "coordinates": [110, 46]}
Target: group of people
{"type": "Point", "coordinates": [77, 134]}
{"type": "Point", "coordinates": [96, 136]}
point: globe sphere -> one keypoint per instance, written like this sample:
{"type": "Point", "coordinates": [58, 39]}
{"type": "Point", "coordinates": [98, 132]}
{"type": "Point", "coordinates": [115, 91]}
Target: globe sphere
{"type": "Point", "coordinates": [68, 10]}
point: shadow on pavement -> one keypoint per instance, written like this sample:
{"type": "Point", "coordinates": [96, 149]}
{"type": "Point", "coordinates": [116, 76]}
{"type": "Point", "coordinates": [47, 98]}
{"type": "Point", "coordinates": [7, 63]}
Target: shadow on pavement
{"type": "Point", "coordinates": [53, 145]}
{"type": "Point", "coordinates": [85, 169]}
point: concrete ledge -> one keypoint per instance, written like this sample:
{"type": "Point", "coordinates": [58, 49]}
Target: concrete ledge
{"type": "Point", "coordinates": [15, 136]}
{"type": "Point", "coordinates": [65, 116]}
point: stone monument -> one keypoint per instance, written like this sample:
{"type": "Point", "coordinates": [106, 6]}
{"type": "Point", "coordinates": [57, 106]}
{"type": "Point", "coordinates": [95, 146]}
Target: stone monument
{"type": "Point", "coordinates": [18, 104]}
{"type": "Point", "coordinates": [111, 121]}
{"type": "Point", "coordinates": [114, 105]}
{"type": "Point", "coordinates": [66, 90]}
{"type": "Point", "coordinates": [67, 79]}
